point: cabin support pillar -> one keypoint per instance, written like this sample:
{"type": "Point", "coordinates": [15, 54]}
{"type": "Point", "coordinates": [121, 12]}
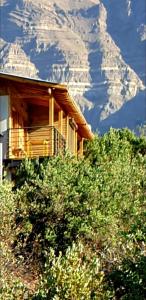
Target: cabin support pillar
{"type": "Point", "coordinates": [67, 130]}
{"type": "Point", "coordinates": [75, 142]}
{"type": "Point", "coordinates": [60, 125]}
{"type": "Point", "coordinates": [51, 124]}
{"type": "Point", "coordinates": [81, 147]}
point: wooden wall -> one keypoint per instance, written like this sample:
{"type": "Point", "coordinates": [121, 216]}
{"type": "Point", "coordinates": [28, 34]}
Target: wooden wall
{"type": "Point", "coordinates": [23, 114]}
{"type": "Point", "coordinates": [4, 123]}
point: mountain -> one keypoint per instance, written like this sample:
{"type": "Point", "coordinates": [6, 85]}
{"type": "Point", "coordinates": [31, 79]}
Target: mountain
{"type": "Point", "coordinates": [98, 47]}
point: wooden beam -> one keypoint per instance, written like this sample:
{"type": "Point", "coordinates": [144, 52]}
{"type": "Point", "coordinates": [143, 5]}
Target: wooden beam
{"type": "Point", "coordinates": [51, 111]}
{"type": "Point", "coordinates": [33, 82]}
{"type": "Point", "coordinates": [10, 125]}
{"type": "Point", "coordinates": [81, 147]}
{"type": "Point", "coordinates": [75, 142]}
{"type": "Point", "coordinates": [67, 130]}
{"type": "Point", "coordinates": [33, 97]}
{"type": "Point", "coordinates": [36, 101]}
{"type": "Point", "coordinates": [51, 123]}
{"type": "Point", "coordinates": [60, 123]}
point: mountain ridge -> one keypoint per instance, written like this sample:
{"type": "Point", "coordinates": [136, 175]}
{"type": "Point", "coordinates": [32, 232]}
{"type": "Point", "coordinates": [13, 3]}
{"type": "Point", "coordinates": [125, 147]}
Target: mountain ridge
{"type": "Point", "coordinates": [84, 44]}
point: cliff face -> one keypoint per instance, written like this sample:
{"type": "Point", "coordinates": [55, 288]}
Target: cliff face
{"type": "Point", "coordinates": [97, 47]}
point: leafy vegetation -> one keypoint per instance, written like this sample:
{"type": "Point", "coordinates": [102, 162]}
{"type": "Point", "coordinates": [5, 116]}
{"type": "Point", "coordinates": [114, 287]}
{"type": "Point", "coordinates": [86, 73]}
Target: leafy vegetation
{"type": "Point", "coordinates": [72, 276]}
{"type": "Point", "coordinates": [11, 287]}
{"type": "Point", "coordinates": [81, 223]}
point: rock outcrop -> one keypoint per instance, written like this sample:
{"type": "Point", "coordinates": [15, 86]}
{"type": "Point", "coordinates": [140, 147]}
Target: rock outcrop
{"type": "Point", "coordinates": [98, 47]}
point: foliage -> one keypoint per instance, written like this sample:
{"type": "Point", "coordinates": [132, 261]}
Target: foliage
{"type": "Point", "coordinates": [114, 144]}
{"type": "Point", "coordinates": [11, 288]}
{"type": "Point", "coordinates": [57, 205]}
{"type": "Point", "coordinates": [73, 276]}
{"type": "Point", "coordinates": [129, 279]}
{"type": "Point", "coordinates": [7, 209]}
{"type": "Point", "coordinates": [99, 201]}
{"type": "Point", "coordinates": [67, 199]}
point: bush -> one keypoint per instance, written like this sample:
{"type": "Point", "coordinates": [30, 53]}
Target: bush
{"type": "Point", "coordinates": [73, 276]}
{"type": "Point", "coordinates": [129, 279]}
{"type": "Point", "coordinates": [66, 199]}
{"type": "Point", "coordinates": [7, 209]}
{"type": "Point", "coordinates": [56, 206]}
{"type": "Point", "coordinates": [98, 200]}
{"type": "Point", "coordinates": [11, 288]}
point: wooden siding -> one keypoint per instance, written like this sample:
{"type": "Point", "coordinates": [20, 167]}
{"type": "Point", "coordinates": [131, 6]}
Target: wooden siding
{"type": "Point", "coordinates": [35, 108]}
{"type": "Point", "coordinates": [4, 122]}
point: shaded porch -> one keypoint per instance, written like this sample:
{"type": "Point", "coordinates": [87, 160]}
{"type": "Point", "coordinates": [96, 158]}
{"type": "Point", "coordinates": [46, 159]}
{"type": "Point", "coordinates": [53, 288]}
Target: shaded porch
{"type": "Point", "coordinates": [33, 142]}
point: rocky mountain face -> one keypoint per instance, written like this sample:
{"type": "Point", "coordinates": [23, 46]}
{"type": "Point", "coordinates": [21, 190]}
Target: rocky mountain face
{"type": "Point", "coordinates": [98, 47]}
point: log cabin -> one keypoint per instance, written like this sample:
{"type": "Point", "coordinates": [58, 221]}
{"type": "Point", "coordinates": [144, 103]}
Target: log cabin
{"type": "Point", "coordinates": [38, 119]}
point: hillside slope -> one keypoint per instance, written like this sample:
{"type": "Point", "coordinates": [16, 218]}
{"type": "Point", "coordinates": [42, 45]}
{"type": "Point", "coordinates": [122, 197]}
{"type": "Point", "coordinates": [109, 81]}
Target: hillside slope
{"type": "Point", "coordinates": [97, 47]}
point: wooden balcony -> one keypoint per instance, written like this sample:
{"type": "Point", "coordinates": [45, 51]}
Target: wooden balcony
{"type": "Point", "coordinates": [33, 142]}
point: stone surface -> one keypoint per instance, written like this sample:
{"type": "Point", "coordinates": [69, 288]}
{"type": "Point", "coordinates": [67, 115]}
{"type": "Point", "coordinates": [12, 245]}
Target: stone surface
{"type": "Point", "coordinates": [97, 47]}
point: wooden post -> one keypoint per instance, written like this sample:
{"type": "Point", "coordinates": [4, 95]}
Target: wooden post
{"type": "Point", "coordinates": [67, 130]}
{"type": "Point", "coordinates": [51, 111]}
{"type": "Point", "coordinates": [51, 123]}
{"type": "Point", "coordinates": [81, 147]}
{"type": "Point", "coordinates": [10, 136]}
{"type": "Point", "coordinates": [60, 122]}
{"type": "Point", "coordinates": [74, 139]}
{"type": "Point", "coordinates": [75, 142]}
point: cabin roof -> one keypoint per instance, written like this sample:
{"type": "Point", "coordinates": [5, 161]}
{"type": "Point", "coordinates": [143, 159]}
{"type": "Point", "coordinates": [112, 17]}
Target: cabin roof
{"type": "Point", "coordinates": [61, 94]}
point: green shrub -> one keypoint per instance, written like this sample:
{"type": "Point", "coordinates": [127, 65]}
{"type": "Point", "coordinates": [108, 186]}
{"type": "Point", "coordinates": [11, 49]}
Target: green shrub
{"type": "Point", "coordinates": [11, 288]}
{"type": "Point", "coordinates": [68, 199]}
{"type": "Point", "coordinates": [7, 209]}
{"type": "Point", "coordinates": [128, 280]}
{"type": "Point", "coordinates": [56, 206]}
{"type": "Point", "coordinates": [72, 276]}
{"type": "Point", "coordinates": [98, 200]}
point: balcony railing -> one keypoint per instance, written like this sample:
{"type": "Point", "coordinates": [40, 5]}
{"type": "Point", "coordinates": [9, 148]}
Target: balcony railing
{"type": "Point", "coordinates": [32, 142]}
